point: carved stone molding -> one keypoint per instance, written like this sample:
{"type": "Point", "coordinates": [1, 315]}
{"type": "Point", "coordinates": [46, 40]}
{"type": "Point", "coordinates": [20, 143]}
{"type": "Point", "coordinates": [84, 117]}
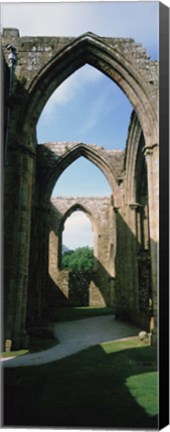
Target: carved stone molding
{"type": "Point", "coordinates": [148, 150]}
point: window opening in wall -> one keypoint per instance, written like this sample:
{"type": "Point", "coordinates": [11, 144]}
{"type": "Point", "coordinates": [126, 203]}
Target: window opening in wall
{"type": "Point", "coordinates": [81, 180]}
{"type": "Point", "coordinates": [77, 243]}
{"type": "Point", "coordinates": [87, 107]}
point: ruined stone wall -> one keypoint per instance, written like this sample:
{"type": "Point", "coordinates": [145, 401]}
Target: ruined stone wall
{"type": "Point", "coordinates": [101, 214]}
{"type": "Point", "coordinates": [48, 218]}
{"type": "Point", "coordinates": [54, 157]}
{"type": "Point", "coordinates": [42, 65]}
{"type": "Point", "coordinates": [123, 60]}
{"type": "Point", "coordinates": [50, 285]}
{"type": "Point", "coordinates": [35, 52]}
{"type": "Point", "coordinates": [80, 289]}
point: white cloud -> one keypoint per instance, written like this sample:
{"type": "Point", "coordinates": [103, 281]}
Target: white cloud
{"type": "Point", "coordinates": [78, 231]}
{"type": "Point", "coordinates": [37, 19]}
{"type": "Point", "coordinates": [77, 219]}
{"type": "Point", "coordinates": [138, 20]}
{"type": "Point", "coordinates": [64, 93]}
{"type": "Point", "coordinates": [68, 89]}
{"type": "Point", "coordinates": [89, 74]}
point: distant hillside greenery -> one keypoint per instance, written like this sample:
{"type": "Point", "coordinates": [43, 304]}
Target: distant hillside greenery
{"type": "Point", "coordinates": [80, 259]}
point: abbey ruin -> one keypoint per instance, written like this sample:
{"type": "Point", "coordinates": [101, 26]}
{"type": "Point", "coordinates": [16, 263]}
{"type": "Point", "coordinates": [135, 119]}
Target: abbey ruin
{"type": "Point", "coordinates": [125, 225]}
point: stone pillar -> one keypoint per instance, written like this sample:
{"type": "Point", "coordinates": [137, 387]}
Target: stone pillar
{"type": "Point", "coordinates": [20, 226]}
{"type": "Point", "coordinates": [43, 259]}
{"type": "Point", "coordinates": [135, 207]}
{"type": "Point", "coordinates": [121, 263]}
{"type": "Point", "coordinates": [127, 280]}
{"type": "Point", "coordinates": [53, 253]}
{"type": "Point", "coordinates": [36, 264]}
{"type": "Point", "coordinates": [152, 161]}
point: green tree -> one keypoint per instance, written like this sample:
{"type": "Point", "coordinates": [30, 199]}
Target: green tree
{"type": "Point", "coordinates": [81, 259]}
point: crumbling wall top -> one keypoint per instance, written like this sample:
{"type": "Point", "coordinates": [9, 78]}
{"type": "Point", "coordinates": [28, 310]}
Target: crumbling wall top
{"type": "Point", "coordinates": [52, 152]}
{"type": "Point", "coordinates": [33, 52]}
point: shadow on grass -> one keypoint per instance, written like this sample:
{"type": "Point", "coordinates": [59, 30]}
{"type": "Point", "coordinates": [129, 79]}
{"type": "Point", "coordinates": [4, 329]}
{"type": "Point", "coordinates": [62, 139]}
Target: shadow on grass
{"type": "Point", "coordinates": [89, 389]}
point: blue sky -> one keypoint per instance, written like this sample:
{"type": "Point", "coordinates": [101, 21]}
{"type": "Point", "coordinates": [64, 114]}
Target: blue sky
{"type": "Point", "coordinates": [88, 106]}
{"type": "Point", "coordinates": [138, 20]}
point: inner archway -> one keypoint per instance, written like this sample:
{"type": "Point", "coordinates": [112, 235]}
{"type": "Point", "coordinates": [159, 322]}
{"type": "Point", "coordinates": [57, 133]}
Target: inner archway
{"type": "Point", "coordinates": [81, 178]}
{"type": "Point", "coordinates": [77, 232]}
{"type": "Point", "coordinates": [99, 211]}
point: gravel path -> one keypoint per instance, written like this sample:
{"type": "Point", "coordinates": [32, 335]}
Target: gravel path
{"type": "Point", "coordinates": [74, 336]}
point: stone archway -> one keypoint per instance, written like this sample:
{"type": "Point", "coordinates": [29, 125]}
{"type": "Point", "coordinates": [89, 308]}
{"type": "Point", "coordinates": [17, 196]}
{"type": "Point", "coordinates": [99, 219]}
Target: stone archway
{"type": "Point", "coordinates": [54, 158]}
{"type": "Point", "coordinates": [100, 290]}
{"type": "Point", "coordinates": [62, 208]}
{"type": "Point", "coordinates": [48, 215]}
{"type": "Point", "coordinates": [71, 206]}
{"type": "Point", "coordinates": [127, 64]}
{"type": "Point", "coordinates": [108, 56]}
{"type": "Point", "coordinates": [139, 161]}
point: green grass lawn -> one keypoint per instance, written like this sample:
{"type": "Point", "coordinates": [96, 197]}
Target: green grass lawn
{"type": "Point", "coordinates": [110, 385]}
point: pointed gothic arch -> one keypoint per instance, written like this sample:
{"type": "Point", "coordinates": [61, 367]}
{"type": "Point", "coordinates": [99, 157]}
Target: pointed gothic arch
{"type": "Point", "coordinates": [78, 207]}
{"type": "Point", "coordinates": [70, 211]}
{"type": "Point", "coordinates": [104, 55]}
{"type": "Point", "coordinates": [44, 63]}
{"type": "Point", "coordinates": [135, 141]}
{"type": "Point", "coordinates": [91, 154]}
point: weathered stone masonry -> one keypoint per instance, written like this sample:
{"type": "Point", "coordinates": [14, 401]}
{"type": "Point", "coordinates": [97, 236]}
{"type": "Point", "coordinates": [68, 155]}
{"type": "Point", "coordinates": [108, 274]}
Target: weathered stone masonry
{"type": "Point", "coordinates": [52, 159]}
{"type": "Point", "coordinates": [42, 64]}
{"type": "Point", "coordinates": [102, 216]}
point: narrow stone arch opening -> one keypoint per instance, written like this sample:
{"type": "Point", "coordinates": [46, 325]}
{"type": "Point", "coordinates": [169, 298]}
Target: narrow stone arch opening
{"type": "Point", "coordinates": [99, 289]}
{"type": "Point", "coordinates": [79, 256]}
{"type": "Point", "coordinates": [83, 221]}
